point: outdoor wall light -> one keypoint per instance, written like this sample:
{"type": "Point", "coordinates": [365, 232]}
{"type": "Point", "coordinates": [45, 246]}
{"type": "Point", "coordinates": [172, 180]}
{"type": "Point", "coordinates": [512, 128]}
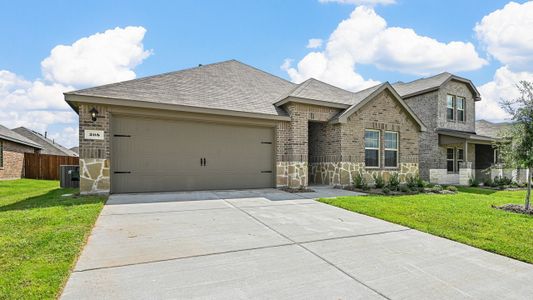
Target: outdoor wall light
{"type": "Point", "coordinates": [94, 114]}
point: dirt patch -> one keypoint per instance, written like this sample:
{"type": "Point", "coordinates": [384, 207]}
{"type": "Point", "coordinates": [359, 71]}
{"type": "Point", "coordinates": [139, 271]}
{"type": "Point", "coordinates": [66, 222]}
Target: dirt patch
{"type": "Point", "coordinates": [515, 208]}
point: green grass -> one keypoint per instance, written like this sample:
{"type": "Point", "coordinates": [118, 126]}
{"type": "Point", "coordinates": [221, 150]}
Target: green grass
{"type": "Point", "coordinates": [466, 217]}
{"type": "Point", "coordinates": [41, 235]}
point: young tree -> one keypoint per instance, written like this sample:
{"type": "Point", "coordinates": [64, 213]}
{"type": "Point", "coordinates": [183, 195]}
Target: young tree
{"type": "Point", "coordinates": [516, 146]}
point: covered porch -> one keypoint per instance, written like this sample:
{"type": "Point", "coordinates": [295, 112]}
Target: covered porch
{"type": "Point", "coordinates": [464, 156]}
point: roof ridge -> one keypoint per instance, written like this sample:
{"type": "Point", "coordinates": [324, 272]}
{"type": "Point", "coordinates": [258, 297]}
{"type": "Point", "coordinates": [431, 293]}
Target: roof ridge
{"type": "Point", "coordinates": [379, 84]}
{"type": "Point", "coordinates": [429, 77]}
{"type": "Point", "coordinates": [301, 87]}
{"type": "Point", "coordinates": [328, 84]}
{"type": "Point", "coordinates": [42, 139]}
{"type": "Point", "coordinates": [262, 71]}
{"type": "Point", "coordinates": [150, 76]}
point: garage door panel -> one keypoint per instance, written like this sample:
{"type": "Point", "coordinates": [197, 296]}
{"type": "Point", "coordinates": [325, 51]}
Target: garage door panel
{"type": "Point", "coordinates": [164, 155]}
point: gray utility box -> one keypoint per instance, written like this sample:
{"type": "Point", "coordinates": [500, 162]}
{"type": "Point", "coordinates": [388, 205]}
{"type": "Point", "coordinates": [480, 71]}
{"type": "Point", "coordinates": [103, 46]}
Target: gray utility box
{"type": "Point", "coordinates": [69, 176]}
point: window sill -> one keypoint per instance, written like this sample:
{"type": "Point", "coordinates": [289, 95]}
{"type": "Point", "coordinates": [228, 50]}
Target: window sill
{"type": "Point", "coordinates": [372, 168]}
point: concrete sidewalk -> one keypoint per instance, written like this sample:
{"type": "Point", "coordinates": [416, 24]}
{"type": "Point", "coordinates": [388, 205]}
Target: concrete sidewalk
{"type": "Point", "coordinates": [274, 245]}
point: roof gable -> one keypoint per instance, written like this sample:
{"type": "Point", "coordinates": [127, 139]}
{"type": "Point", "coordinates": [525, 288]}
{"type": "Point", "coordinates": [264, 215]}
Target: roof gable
{"type": "Point", "coordinates": [433, 83]}
{"type": "Point", "coordinates": [370, 94]}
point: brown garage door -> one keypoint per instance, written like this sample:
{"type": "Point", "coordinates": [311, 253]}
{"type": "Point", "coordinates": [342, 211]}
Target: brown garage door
{"type": "Point", "coordinates": [149, 155]}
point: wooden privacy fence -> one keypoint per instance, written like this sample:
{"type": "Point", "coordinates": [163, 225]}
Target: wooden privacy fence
{"type": "Point", "coordinates": [44, 166]}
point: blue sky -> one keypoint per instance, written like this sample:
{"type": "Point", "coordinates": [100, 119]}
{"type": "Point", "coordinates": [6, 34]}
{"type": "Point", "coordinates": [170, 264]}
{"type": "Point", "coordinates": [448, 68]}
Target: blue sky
{"type": "Point", "coordinates": [181, 34]}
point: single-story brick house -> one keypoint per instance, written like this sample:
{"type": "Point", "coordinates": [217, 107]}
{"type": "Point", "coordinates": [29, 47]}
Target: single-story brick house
{"type": "Point", "coordinates": [229, 125]}
{"type": "Point", "coordinates": [12, 149]}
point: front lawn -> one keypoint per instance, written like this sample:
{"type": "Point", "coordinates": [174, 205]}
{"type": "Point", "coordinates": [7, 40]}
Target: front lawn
{"type": "Point", "coordinates": [41, 235]}
{"type": "Point", "coordinates": [466, 217]}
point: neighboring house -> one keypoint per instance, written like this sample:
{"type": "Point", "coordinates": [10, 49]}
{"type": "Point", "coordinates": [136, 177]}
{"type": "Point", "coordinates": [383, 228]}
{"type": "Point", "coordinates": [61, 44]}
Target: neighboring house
{"type": "Point", "coordinates": [12, 149]}
{"type": "Point", "coordinates": [229, 125]}
{"type": "Point", "coordinates": [450, 150]}
{"type": "Point", "coordinates": [50, 147]}
{"type": "Point", "coordinates": [493, 163]}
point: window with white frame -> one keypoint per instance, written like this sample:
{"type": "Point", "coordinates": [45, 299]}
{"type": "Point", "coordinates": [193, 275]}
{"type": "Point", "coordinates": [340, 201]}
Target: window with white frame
{"type": "Point", "coordinates": [372, 146]}
{"type": "Point", "coordinates": [450, 158]}
{"type": "Point", "coordinates": [460, 158]}
{"type": "Point", "coordinates": [391, 149]}
{"type": "Point", "coordinates": [460, 102]}
{"type": "Point", "coordinates": [450, 108]}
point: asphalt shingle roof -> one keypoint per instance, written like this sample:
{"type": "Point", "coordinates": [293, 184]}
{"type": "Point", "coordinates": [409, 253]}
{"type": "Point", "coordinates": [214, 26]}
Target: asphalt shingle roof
{"type": "Point", "coordinates": [10, 135]}
{"type": "Point", "coordinates": [421, 84]}
{"type": "Point", "coordinates": [228, 85]}
{"type": "Point", "coordinates": [48, 146]}
{"type": "Point", "coordinates": [321, 91]}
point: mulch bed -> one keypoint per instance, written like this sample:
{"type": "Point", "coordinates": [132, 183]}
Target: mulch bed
{"type": "Point", "coordinates": [296, 190]}
{"type": "Point", "coordinates": [515, 208]}
{"type": "Point", "coordinates": [374, 191]}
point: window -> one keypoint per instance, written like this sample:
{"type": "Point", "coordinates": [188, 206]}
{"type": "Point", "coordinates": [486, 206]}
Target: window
{"type": "Point", "coordinates": [391, 149]}
{"type": "Point", "coordinates": [450, 157]}
{"type": "Point", "coordinates": [497, 158]}
{"type": "Point", "coordinates": [461, 109]}
{"type": "Point", "coordinates": [460, 155]}
{"type": "Point", "coordinates": [1, 154]}
{"type": "Point", "coordinates": [450, 108]}
{"type": "Point", "coordinates": [372, 146]}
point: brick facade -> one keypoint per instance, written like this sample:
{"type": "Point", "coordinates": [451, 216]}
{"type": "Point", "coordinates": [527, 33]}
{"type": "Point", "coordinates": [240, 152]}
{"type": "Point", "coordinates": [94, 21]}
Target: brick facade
{"type": "Point", "coordinates": [94, 154]}
{"type": "Point", "coordinates": [431, 109]}
{"type": "Point", "coordinates": [309, 142]}
{"type": "Point", "coordinates": [13, 154]}
{"type": "Point", "coordinates": [333, 153]}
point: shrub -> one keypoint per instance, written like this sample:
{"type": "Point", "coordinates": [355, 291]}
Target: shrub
{"type": "Point", "coordinates": [405, 189]}
{"type": "Point", "coordinates": [412, 182]}
{"type": "Point", "coordinates": [394, 181]}
{"type": "Point", "coordinates": [437, 188]}
{"type": "Point", "coordinates": [359, 181]}
{"type": "Point", "coordinates": [379, 182]}
{"type": "Point", "coordinates": [451, 188]}
{"type": "Point", "coordinates": [386, 190]}
{"type": "Point", "coordinates": [487, 181]}
{"type": "Point", "coordinates": [421, 183]}
{"type": "Point", "coordinates": [473, 182]}
{"type": "Point", "coordinates": [502, 181]}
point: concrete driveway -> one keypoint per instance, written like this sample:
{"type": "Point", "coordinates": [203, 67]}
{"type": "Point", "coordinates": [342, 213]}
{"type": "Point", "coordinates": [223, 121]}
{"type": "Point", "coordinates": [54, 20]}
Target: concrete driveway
{"type": "Point", "coordinates": [275, 245]}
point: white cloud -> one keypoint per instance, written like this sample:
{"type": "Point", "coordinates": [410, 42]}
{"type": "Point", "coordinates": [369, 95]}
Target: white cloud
{"type": "Point", "coordinates": [507, 34]}
{"type": "Point", "coordinates": [98, 59]}
{"type": "Point", "coordinates": [314, 43]}
{"type": "Point", "coordinates": [364, 38]}
{"type": "Point", "coordinates": [66, 136]}
{"type": "Point", "coordinates": [360, 2]}
{"type": "Point", "coordinates": [35, 105]}
{"type": "Point", "coordinates": [503, 86]}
